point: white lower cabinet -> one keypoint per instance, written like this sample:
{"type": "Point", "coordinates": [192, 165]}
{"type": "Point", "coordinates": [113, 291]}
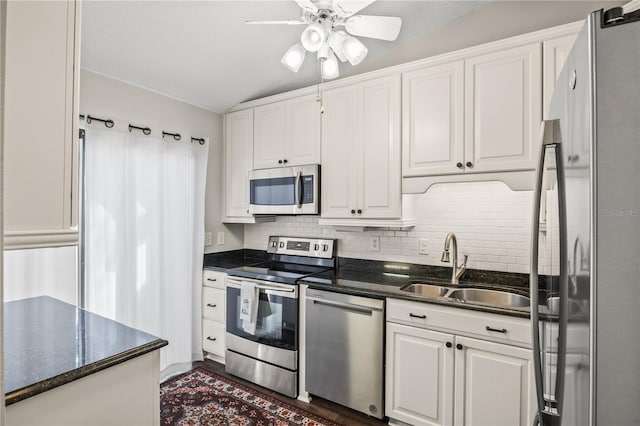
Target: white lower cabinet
{"type": "Point", "coordinates": [214, 297]}
{"type": "Point", "coordinates": [445, 376]}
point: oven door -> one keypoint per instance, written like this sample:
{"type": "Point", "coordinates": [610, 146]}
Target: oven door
{"type": "Point", "coordinates": [277, 323]}
{"type": "Point", "coordinates": [287, 190]}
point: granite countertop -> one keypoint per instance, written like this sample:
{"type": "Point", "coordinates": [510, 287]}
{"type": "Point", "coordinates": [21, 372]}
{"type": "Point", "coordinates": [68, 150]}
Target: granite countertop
{"type": "Point", "coordinates": [48, 343]}
{"type": "Point", "coordinates": [384, 279]}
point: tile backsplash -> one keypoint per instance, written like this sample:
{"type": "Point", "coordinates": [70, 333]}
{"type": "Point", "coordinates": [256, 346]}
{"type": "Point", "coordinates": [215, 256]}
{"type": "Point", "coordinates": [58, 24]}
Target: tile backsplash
{"type": "Point", "coordinates": [491, 223]}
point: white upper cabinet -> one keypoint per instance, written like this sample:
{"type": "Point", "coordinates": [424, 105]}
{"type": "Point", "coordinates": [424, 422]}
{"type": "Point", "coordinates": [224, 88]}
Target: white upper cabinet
{"type": "Point", "coordinates": [503, 109]}
{"type": "Point", "coordinates": [361, 173]}
{"type": "Point", "coordinates": [433, 120]}
{"type": "Point", "coordinates": [287, 133]}
{"type": "Point", "coordinates": [41, 124]}
{"type": "Point", "coordinates": [238, 156]}
{"type": "Point", "coordinates": [554, 55]}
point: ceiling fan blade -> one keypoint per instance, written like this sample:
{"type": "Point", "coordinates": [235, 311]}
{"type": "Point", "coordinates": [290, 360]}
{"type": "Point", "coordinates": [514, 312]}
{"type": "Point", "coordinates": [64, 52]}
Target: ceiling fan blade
{"type": "Point", "coordinates": [346, 8]}
{"type": "Point", "coordinates": [307, 6]}
{"type": "Point", "coordinates": [380, 27]}
{"type": "Point", "coordinates": [284, 22]}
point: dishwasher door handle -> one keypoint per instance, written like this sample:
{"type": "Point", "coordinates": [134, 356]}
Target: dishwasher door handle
{"type": "Point", "coordinates": [346, 306]}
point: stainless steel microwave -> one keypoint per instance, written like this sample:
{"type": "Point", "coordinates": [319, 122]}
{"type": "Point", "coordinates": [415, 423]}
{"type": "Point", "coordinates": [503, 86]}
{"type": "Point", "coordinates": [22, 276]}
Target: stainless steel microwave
{"type": "Point", "coordinates": [285, 190]}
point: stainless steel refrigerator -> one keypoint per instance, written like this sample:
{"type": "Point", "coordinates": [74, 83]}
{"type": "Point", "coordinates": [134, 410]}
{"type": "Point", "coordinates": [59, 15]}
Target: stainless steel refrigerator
{"type": "Point", "coordinates": [585, 266]}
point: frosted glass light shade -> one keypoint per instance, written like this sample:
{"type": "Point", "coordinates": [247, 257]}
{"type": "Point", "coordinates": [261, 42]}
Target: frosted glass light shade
{"type": "Point", "coordinates": [330, 67]}
{"type": "Point", "coordinates": [354, 50]}
{"type": "Point", "coordinates": [294, 57]}
{"type": "Point", "coordinates": [336, 40]}
{"type": "Point", "coordinates": [313, 37]}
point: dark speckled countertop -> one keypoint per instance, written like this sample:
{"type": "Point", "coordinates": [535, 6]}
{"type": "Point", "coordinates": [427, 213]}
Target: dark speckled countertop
{"type": "Point", "coordinates": [48, 343]}
{"type": "Point", "coordinates": [384, 279]}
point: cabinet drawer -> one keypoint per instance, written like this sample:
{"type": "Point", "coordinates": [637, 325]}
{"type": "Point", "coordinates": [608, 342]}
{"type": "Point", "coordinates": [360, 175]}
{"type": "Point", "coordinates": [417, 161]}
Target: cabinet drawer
{"type": "Point", "coordinates": [213, 300]}
{"type": "Point", "coordinates": [488, 326]}
{"type": "Point", "coordinates": [213, 337]}
{"type": "Point", "coordinates": [213, 278]}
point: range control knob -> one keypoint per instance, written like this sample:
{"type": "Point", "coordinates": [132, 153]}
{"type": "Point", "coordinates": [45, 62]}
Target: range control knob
{"type": "Point", "coordinates": [325, 247]}
{"type": "Point", "coordinates": [316, 247]}
{"type": "Point", "coordinates": [281, 244]}
{"type": "Point", "coordinates": [274, 244]}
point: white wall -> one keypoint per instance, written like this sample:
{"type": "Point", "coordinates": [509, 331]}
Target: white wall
{"type": "Point", "coordinates": [106, 97]}
{"type": "Point", "coordinates": [491, 221]}
{"type": "Point", "coordinates": [39, 272]}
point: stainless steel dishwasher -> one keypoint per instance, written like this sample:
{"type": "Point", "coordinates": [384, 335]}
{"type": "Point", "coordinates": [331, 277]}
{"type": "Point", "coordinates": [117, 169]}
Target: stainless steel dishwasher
{"type": "Point", "coordinates": [344, 350]}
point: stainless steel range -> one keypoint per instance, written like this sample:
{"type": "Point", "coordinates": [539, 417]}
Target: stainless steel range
{"type": "Point", "coordinates": [268, 356]}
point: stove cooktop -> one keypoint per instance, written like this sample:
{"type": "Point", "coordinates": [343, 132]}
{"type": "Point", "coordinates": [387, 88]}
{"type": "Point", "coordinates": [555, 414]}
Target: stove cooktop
{"type": "Point", "coordinates": [288, 273]}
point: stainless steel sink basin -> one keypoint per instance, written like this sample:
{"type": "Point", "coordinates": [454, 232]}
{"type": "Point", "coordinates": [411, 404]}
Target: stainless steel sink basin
{"type": "Point", "coordinates": [427, 290]}
{"type": "Point", "coordinates": [490, 297]}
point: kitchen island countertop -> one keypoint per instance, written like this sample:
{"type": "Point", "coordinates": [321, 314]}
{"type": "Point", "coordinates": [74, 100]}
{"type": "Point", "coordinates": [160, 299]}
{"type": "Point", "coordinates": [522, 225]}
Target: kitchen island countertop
{"type": "Point", "coordinates": [48, 343]}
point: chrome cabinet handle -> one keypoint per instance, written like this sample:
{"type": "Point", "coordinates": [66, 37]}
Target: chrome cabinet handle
{"type": "Point", "coordinates": [412, 315]}
{"type": "Point", "coordinates": [497, 330]}
{"type": "Point", "coordinates": [211, 306]}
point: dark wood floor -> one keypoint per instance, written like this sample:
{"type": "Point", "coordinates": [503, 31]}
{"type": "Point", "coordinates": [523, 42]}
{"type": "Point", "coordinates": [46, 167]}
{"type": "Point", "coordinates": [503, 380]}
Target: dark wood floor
{"type": "Point", "coordinates": [318, 406]}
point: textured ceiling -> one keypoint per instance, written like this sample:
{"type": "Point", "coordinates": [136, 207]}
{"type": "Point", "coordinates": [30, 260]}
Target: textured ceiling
{"type": "Point", "coordinates": [203, 53]}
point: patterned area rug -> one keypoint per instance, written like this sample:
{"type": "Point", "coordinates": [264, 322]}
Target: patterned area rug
{"type": "Point", "coordinates": [201, 397]}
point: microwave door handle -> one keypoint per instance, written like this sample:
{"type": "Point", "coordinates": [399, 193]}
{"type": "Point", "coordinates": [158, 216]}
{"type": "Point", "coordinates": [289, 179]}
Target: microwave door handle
{"type": "Point", "coordinates": [299, 189]}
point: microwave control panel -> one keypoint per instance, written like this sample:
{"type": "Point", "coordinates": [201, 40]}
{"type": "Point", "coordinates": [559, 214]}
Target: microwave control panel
{"type": "Point", "coordinates": [307, 189]}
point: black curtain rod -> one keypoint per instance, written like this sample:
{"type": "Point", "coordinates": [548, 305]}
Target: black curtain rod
{"type": "Point", "coordinates": [107, 122]}
{"type": "Point", "coordinates": [176, 136]}
{"type": "Point", "coordinates": [146, 130]}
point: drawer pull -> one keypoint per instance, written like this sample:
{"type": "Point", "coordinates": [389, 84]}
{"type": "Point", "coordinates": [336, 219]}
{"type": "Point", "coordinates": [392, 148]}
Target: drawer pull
{"type": "Point", "coordinates": [497, 330]}
{"type": "Point", "coordinates": [212, 279]}
{"type": "Point", "coordinates": [213, 339]}
{"type": "Point", "coordinates": [412, 315]}
{"type": "Point", "coordinates": [211, 306]}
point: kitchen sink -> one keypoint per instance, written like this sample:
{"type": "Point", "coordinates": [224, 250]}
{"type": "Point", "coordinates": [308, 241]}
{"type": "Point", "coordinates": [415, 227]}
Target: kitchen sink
{"type": "Point", "coordinates": [427, 290]}
{"type": "Point", "coordinates": [499, 298]}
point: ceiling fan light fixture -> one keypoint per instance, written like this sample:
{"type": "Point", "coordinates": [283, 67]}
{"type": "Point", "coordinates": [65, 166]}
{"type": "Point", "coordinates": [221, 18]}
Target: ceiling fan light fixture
{"type": "Point", "coordinates": [354, 50]}
{"type": "Point", "coordinates": [336, 40]}
{"type": "Point", "coordinates": [294, 57]}
{"type": "Point", "coordinates": [313, 37]}
{"type": "Point", "coordinates": [329, 66]}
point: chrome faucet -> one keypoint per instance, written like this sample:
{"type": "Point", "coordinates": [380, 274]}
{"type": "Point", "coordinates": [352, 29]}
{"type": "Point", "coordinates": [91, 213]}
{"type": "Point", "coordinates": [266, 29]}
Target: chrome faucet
{"type": "Point", "coordinates": [457, 270]}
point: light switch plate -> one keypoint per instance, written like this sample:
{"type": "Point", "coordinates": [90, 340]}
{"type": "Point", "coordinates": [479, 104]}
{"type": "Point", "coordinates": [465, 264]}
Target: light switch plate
{"type": "Point", "coordinates": [208, 239]}
{"type": "Point", "coordinates": [220, 238]}
{"type": "Point", "coordinates": [374, 243]}
{"type": "Point", "coordinates": [423, 247]}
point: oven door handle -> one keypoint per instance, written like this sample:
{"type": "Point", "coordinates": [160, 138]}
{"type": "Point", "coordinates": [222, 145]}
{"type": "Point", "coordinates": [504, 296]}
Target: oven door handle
{"type": "Point", "coordinates": [238, 284]}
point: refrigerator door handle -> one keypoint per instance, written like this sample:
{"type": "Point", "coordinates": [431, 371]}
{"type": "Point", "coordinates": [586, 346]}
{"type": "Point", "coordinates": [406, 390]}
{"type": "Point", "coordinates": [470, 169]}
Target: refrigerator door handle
{"type": "Point", "coordinates": [533, 280]}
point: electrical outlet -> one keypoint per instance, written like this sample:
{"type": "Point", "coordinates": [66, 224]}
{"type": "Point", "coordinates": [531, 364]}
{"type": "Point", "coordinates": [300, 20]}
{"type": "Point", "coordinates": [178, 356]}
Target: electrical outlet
{"type": "Point", "coordinates": [374, 243]}
{"type": "Point", "coordinates": [208, 239]}
{"type": "Point", "coordinates": [423, 246]}
{"type": "Point", "coordinates": [221, 238]}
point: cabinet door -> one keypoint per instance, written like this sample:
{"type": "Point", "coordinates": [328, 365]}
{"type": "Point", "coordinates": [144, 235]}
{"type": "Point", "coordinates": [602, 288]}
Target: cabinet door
{"type": "Point", "coordinates": [41, 130]}
{"type": "Point", "coordinates": [433, 120]}
{"type": "Point", "coordinates": [238, 161]}
{"type": "Point", "coordinates": [554, 55]}
{"type": "Point", "coordinates": [419, 376]}
{"type": "Point", "coordinates": [503, 109]}
{"type": "Point", "coordinates": [493, 384]}
{"type": "Point", "coordinates": [268, 136]}
{"type": "Point", "coordinates": [339, 161]}
{"type": "Point", "coordinates": [380, 178]}
{"type": "Point", "coordinates": [302, 131]}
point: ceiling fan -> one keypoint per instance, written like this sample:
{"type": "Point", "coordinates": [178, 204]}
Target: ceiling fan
{"type": "Point", "coordinates": [324, 19]}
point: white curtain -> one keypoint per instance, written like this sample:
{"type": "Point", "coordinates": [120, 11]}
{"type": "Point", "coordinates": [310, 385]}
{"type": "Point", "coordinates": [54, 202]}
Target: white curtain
{"type": "Point", "coordinates": [144, 221]}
